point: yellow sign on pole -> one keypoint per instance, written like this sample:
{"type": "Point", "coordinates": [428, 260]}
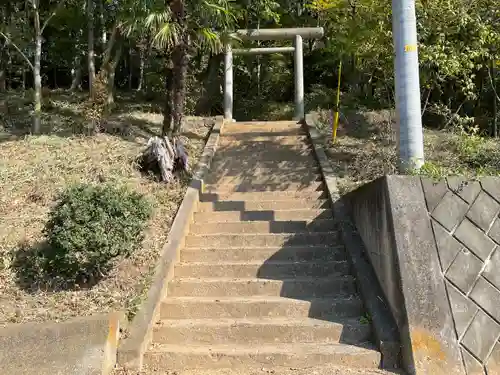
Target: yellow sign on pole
{"type": "Point", "coordinates": [336, 118]}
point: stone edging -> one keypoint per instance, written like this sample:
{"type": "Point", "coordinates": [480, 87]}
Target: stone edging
{"type": "Point", "coordinates": [131, 351]}
{"type": "Point", "coordinates": [117, 321]}
{"type": "Point", "coordinates": [385, 329]}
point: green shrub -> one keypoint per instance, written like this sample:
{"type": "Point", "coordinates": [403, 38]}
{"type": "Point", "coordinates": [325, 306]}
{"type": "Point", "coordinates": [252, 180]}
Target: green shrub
{"type": "Point", "coordinates": [90, 226]}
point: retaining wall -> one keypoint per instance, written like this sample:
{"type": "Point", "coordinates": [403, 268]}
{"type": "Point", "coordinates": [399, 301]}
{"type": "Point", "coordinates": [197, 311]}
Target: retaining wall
{"type": "Point", "coordinates": [434, 246]}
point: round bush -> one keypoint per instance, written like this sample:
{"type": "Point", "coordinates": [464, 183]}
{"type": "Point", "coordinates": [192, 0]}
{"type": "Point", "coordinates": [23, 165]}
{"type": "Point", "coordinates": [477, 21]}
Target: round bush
{"type": "Point", "coordinates": [90, 226]}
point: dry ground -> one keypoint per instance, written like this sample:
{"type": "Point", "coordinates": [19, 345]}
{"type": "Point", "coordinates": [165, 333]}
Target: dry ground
{"type": "Point", "coordinates": [366, 149]}
{"type": "Point", "coordinates": [33, 170]}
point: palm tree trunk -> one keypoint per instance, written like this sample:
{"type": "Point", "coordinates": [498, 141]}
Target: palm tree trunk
{"type": "Point", "coordinates": [179, 57]}
{"type": "Point", "coordinates": [167, 108]}
{"type": "Point", "coordinates": [180, 62]}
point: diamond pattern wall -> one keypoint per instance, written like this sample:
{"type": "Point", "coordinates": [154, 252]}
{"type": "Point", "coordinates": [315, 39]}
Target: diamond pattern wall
{"type": "Point", "coordinates": [466, 224]}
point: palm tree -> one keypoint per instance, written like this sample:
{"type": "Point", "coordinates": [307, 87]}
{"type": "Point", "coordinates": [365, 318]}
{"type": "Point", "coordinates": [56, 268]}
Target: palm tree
{"type": "Point", "coordinates": [181, 27]}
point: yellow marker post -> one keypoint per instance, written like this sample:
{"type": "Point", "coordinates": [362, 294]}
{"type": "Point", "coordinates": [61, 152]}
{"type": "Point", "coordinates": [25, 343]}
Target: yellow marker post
{"type": "Point", "coordinates": [336, 119]}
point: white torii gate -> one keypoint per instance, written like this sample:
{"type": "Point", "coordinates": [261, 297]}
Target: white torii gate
{"type": "Point", "coordinates": [295, 34]}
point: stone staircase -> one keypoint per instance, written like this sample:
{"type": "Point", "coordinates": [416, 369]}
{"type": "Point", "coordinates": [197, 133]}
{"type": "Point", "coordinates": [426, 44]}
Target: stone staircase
{"type": "Point", "coordinates": [263, 280]}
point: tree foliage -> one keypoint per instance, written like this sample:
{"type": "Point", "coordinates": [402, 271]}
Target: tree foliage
{"type": "Point", "coordinates": [171, 51]}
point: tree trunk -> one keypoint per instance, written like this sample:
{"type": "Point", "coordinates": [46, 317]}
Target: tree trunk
{"type": "Point", "coordinates": [142, 53]}
{"type": "Point", "coordinates": [3, 73]}
{"type": "Point", "coordinates": [91, 52]}
{"type": "Point", "coordinates": [3, 80]}
{"type": "Point", "coordinates": [37, 113]}
{"type": "Point", "coordinates": [111, 70]}
{"type": "Point", "coordinates": [130, 63]}
{"type": "Point", "coordinates": [3, 54]}
{"type": "Point", "coordinates": [180, 62]}
{"type": "Point", "coordinates": [167, 109]}
{"type": "Point", "coordinates": [76, 74]}
{"type": "Point", "coordinates": [212, 94]}
{"type": "Point", "coordinates": [495, 99]}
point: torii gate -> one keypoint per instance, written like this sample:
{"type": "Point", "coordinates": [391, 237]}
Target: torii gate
{"type": "Point", "coordinates": [295, 34]}
{"type": "Point", "coordinates": [406, 73]}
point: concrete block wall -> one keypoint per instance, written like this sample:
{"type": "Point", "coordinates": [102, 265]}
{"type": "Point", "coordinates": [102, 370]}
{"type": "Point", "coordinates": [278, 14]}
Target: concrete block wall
{"type": "Point", "coordinates": [466, 227]}
{"type": "Point", "coordinates": [435, 248]}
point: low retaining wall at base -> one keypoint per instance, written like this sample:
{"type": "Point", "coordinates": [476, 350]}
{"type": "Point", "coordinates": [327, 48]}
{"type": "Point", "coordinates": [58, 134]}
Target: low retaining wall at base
{"type": "Point", "coordinates": [81, 346]}
{"type": "Point", "coordinates": [434, 246]}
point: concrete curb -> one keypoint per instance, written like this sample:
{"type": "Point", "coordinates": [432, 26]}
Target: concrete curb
{"type": "Point", "coordinates": [117, 321]}
{"type": "Point", "coordinates": [385, 328]}
{"type": "Point", "coordinates": [131, 352]}
{"type": "Point", "coordinates": [82, 345]}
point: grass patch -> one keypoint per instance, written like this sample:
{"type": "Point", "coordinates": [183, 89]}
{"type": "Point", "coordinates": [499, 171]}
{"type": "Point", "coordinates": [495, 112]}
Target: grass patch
{"type": "Point", "coordinates": [366, 149]}
{"type": "Point", "coordinates": [35, 170]}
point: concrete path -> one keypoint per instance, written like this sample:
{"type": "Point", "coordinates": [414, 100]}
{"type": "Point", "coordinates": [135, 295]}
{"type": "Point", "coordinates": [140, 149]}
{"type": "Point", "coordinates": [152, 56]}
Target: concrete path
{"type": "Point", "coordinates": [263, 286]}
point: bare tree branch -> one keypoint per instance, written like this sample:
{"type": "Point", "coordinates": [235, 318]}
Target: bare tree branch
{"type": "Point", "coordinates": [52, 14]}
{"type": "Point", "coordinates": [111, 43]}
{"type": "Point", "coordinates": [426, 101]}
{"type": "Point", "coordinates": [9, 41]}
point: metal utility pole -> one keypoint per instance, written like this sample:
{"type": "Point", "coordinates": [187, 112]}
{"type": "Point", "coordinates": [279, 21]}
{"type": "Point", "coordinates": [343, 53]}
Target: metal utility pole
{"type": "Point", "coordinates": [228, 83]}
{"type": "Point", "coordinates": [410, 134]}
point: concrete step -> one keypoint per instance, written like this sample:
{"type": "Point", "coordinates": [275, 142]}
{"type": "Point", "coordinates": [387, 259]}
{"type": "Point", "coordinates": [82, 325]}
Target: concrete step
{"type": "Point", "coordinates": [263, 240]}
{"type": "Point", "coordinates": [259, 307]}
{"type": "Point", "coordinates": [288, 204]}
{"type": "Point", "coordinates": [262, 187]}
{"type": "Point", "coordinates": [252, 127]}
{"type": "Point", "coordinates": [263, 152]}
{"type": "Point", "coordinates": [262, 131]}
{"type": "Point", "coordinates": [263, 227]}
{"type": "Point", "coordinates": [260, 331]}
{"type": "Point", "coordinates": [280, 180]}
{"type": "Point", "coordinates": [296, 145]}
{"type": "Point", "coordinates": [236, 163]}
{"type": "Point", "coordinates": [252, 170]}
{"type": "Point", "coordinates": [286, 158]}
{"type": "Point", "coordinates": [323, 369]}
{"type": "Point", "coordinates": [300, 355]}
{"type": "Point", "coordinates": [270, 269]}
{"type": "Point", "coordinates": [262, 196]}
{"type": "Point", "coordinates": [300, 288]}
{"type": "Point", "coordinates": [275, 139]}
{"type": "Point", "coordinates": [283, 215]}
{"type": "Point", "coordinates": [256, 254]}
{"type": "Point", "coordinates": [265, 122]}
